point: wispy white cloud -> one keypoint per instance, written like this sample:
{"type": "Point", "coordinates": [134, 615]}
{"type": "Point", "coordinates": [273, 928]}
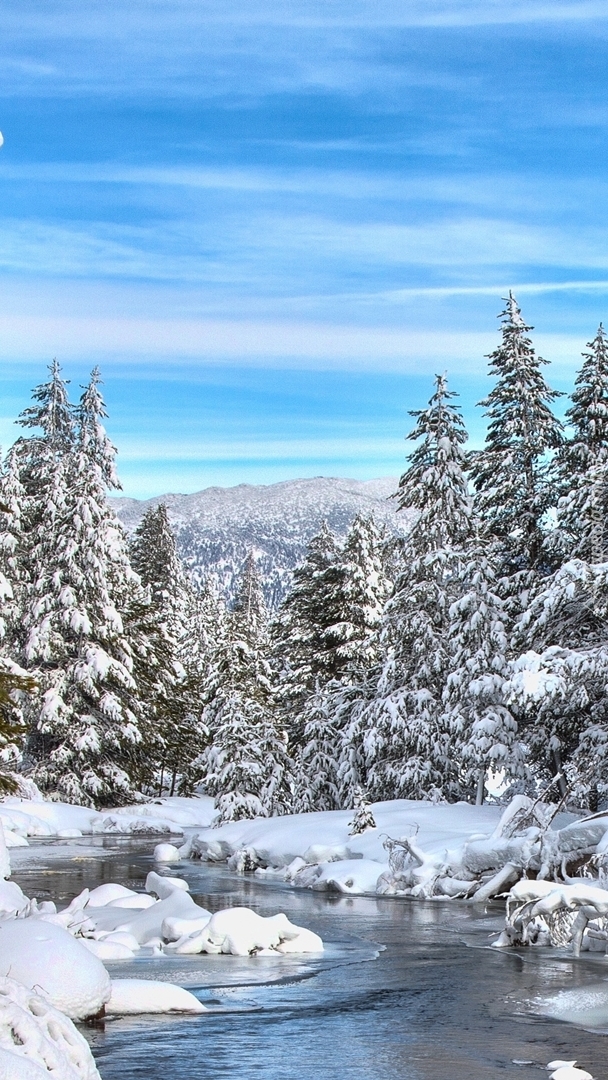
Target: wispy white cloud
{"type": "Point", "coordinates": [270, 344]}
{"type": "Point", "coordinates": [297, 344]}
{"type": "Point", "coordinates": [287, 253]}
{"type": "Point", "coordinates": [243, 47]}
{"type": "Point", "coordinates": [528, 193]}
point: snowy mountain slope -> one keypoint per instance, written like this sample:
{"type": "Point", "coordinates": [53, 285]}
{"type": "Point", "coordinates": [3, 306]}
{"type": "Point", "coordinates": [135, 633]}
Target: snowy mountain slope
{"type": "Point", "coordinates": [217, 527]}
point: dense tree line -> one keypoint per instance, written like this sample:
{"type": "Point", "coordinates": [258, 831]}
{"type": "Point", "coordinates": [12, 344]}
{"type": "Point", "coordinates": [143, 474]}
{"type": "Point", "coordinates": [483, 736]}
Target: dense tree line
{"type": "Point", "coordinates": [476, 648]}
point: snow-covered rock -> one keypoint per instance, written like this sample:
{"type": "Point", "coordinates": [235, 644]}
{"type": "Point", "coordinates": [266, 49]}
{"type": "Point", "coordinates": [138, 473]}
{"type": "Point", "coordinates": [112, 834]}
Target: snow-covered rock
{"type": "Point", "coordinates": [570, 1072]}
{"type": "Point", "coordinates": [166, 853]}
{"type": "Point", "coordinates": [45, 957]}
{"type": "Point", "coordinates": [130, 996]}
{"type": "Point", "coordinates": [242, 932]}
{"type": "Point", "coordinates": [356, 876]}
{"type": "Point", "coordinates": [12, 900]}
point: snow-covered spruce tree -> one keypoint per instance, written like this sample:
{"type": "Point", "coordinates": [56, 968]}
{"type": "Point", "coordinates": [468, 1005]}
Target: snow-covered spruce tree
{"type": "Point", "coordinates": [582, 464]}
{"type": "Point", "coordinates": [318, 759]}
{"type": "Point", "coordinates": [298, 634]}
{"type": "Point", "coordinates": [357, 593]}
{"type": "Point", "coordinates": [357, 589]}
{"type": "Point", "coordinates": [36, 471]}
{"type": "Point", "coordinates": [511, 473]}
{"type": "Point", "coordinates": [406, 743]}
{"type": "Point", "coordinates": [84, 719]}
{"type": "Point", "coordinates": [207, 631]}
{"type": "Point", "coordinates": [558, 680]}
{"type": "Point", "coordinates": [484, 731]}
{"type": "Point", "coordinates": [562, 670]}
{"type": "Point", "coordinates": [249, 611]}
{"type": "Point", "coordinates": [246, 765]}
{"type": "Point", "coordinates": [15, 683]}
{"type": "Point", "coordinates": [168, 681]}
{"type": "Point", "coordinates": [13, 571]}
{"type": "Point", "coordinates": [364, 817]}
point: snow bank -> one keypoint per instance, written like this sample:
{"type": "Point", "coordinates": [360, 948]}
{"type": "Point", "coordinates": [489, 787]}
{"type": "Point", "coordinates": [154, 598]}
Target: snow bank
{"type": "Point", "coordinates": [130, 996]}
{"type": "Point", "coordinates": [37, 1041]}
{"type": "Point", "coordinates": [416, 849]}
{"type": "Point", "coordinates": [40, 818]}
{"type": "Point", "coordinates": [45, 957]}
{"type": "Point", "coordinates": [324, 837]}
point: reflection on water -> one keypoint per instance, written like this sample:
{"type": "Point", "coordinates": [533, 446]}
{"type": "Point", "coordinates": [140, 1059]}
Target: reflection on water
{"type": "Point", "coordinates": [434, 1004]}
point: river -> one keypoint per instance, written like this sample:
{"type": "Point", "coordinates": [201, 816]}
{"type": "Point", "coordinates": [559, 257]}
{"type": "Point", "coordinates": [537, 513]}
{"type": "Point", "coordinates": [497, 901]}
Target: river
{"type": "Point", "coordinates": [407, 990]}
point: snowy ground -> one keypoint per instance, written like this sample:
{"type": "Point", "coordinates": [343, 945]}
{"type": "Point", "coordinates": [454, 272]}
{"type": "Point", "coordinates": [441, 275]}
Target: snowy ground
{"type": "Point", "coordinates": [414, 848]}
{"type": "Point", "coordinates": [282, 846]}
{"type": "Point", "coordinates": [451, 846]}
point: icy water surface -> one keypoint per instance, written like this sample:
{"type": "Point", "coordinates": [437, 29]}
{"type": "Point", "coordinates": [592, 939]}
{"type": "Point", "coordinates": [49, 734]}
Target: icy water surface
{"type": "Point", "coordinates": [406, 990]}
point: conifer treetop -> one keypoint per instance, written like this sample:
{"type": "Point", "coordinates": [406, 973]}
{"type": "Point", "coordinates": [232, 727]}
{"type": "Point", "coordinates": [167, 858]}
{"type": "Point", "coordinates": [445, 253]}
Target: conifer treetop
{"type": "Point", "coordinates": [519, 405]}
{"type": "Point", "coordinates": [53, 413]}
{"type": "Point", "coordinates": [509, 474]}
{"type": "Point", "coordinates": [435, 483]}
{"type": "Point", "coordinates": [588, 413]}
{"type": "Point", "coordinates": [93, 438]}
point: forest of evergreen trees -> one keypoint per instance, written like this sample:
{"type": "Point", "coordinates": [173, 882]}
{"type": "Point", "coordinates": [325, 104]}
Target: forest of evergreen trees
{"type": "Point", "coordinates": [424, 667]}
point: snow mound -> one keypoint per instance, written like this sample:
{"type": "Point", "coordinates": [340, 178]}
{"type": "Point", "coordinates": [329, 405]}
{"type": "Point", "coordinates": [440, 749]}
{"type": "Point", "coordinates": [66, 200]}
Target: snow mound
{"type": "Point", "coordinates": [131, 996]}
{"type": "Point", "coordinates": [41, 955]}
{"type": "Point", "coordinates": [12, 900]}
{"type": "Point", "coordinates": [242, 932]}
{"type": "Point", "coordinates": [569, 1072]}
{"type": "Point", "coordinates": [37, 1041]}
{"type": "Point", "coordinates": [166, 853]}
{"type": "Point", "coordinates": [354, 876]}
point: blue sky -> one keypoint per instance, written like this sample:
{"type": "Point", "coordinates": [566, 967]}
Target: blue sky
{"type": "Point", "coordinates": [271, 222]}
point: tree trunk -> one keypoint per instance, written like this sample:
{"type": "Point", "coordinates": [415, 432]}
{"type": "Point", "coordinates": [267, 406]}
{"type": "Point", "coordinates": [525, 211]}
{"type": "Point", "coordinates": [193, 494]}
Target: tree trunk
{"type": "Point", "coordinates": [481, 784]}
{"type": "Point", "coordinates": [559, 772]}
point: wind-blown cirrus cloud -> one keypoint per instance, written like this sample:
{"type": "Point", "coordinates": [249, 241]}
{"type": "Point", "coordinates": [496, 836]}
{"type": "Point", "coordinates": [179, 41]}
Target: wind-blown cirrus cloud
{"type": "Point", "coordinates": [272, 221]}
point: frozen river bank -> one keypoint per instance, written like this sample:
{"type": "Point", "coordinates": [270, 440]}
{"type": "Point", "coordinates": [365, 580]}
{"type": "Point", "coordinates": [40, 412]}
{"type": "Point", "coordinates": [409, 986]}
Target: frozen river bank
{"type": "Point", "coordinates": [404, 990]}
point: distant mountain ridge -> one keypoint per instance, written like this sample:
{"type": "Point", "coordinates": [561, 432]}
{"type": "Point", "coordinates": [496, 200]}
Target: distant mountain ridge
{"type": "Point", "coordinates": [217, 527]}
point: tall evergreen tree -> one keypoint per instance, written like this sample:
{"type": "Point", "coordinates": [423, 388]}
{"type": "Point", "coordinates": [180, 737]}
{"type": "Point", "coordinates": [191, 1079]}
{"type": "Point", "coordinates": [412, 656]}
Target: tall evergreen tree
{"type": "Point", "coordinates": [558, 680]}
{"type": "Point", "coordinates": [357, 588]}
{"type": "Point", "coordinates": [299, 633]}
{"type": "Point", "coordinates": [562, 633]}
{"type": "Point", "coordinates": [169, 681]}
{"type": "Point", "coordinates": [582, 464]}
{"type": "Point", "coordinates": [484, 732]}
{"type": "Point", "coordinates": [15, 683]}
{"type": "Point", "coordinates": [84, 720]}
{"type": "Point", "coordinates": [13, 570]}
{"type": "Point", "coordinates": [406, 742]}
{"type": "Point", "coordinates": [511, 473]}
{"type": "Point", "coordinates": [249, 612]}
{"type": "Point", "coordinates": [317, 764]}
{"type": "Point", "coordinates": [246, 765]}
